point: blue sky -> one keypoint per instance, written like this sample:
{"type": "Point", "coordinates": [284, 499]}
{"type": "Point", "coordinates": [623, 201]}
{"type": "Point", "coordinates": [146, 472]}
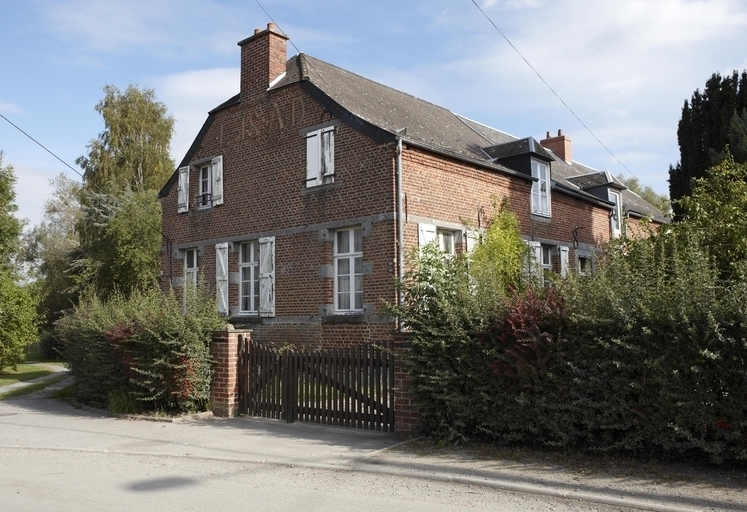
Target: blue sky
{"type": "Point", "coordinates": [625, 67]}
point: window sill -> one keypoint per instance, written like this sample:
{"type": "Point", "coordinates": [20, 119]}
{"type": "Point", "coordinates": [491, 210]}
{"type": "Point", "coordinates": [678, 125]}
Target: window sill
{"type": "Point", "coordinates": [321, 188]}
{"type": "Point", "coordinates": [344, 318]}
{"type": "Point", "coordinates": [542, 217]}
{"type": "Point", "coordinates": [245, 319]}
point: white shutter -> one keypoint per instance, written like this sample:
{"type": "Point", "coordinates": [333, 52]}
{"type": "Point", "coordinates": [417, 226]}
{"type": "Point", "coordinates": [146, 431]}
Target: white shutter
{"type": "Point", "coordinates": [426, 234]}
{"type": "Point", "coordinates": [267, 276]}
{"type": "Point", "coordinates": [471, 240]}
{"type": "Point", "coordinates": [217, 168]}
{"type": "Point", "coordinates": [563, 261]}
{"type": "Point", "coordinates": [328, 151]}
{"type": "Point", "coordinates": [221, 277]}
{"type": "Point", "coordinates": [533, 268]}
{"type": "Point", "coordinates": [313, 159]}
{"type": "Point", "coordinates": [182, 194]}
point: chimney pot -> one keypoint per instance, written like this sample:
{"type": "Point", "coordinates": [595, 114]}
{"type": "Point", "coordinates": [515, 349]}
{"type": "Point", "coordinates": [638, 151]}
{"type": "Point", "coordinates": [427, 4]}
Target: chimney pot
{"type": "Point", "coordinates": [270, 26]}
{"type": "Point", "coordinates": [257, 30]}
{"type": "Point", "coordinates": [560, 133]}
{"type": "Point", "coordinates": [548, 135]}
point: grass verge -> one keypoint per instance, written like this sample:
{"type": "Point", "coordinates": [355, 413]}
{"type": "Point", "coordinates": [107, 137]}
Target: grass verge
{"type": "Point", "coordinates": [23, 373]}
{"type": "Point", "coordinates": [31, 388]}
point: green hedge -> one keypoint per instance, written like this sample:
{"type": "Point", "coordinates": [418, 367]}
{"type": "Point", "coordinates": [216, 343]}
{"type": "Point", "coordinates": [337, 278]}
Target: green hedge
{"type": "Point", "coordinates": [646, 357]}
{"type": "Point", "coordinates": [146, 352]}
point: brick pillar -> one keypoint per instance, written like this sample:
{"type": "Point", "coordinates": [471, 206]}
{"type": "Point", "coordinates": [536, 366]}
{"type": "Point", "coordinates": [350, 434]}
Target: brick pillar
{"type": "Point", "coordinates": [407, 418]}
{"type": "Point", "coordinates": [224, 386]}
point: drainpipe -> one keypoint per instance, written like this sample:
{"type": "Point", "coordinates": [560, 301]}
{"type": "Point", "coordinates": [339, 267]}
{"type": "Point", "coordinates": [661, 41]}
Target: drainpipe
{"type": "Point", "coordinates": [400, 227]}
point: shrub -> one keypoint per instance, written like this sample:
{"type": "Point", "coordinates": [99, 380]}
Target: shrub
{"type": "Point", "coordinates": [149, 347]}
{"type": "Point", "coordinates": [645, 357]}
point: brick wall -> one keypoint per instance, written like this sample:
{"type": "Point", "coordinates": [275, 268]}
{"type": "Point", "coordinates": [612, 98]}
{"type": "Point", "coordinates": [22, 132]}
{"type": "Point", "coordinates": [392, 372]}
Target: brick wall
{"type": "Point", "coordinates": [224, 385]}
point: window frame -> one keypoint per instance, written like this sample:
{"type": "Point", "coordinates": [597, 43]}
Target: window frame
{"type": "Point", "coordinates": [253, 265]}
{"type": "Point", "coordinates": [352, 256]}
{"type": "Point", "coordinates": [441, 235]}
{"type": "Point", "coordinates": [538, 193]}
{"type": "Point", "coordinates": [191, 274]}
{"type": "Point", "coordinates": [616, 198]}
{"type": "Point", "coordinates": [205, 185]}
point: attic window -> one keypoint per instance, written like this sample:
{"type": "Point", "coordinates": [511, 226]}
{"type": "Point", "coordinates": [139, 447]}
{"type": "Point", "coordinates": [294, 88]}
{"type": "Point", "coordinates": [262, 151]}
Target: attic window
{"type": "Point", "coordinates": [616, 217]}
{"type": "Point", "coordinates": [541, 188]}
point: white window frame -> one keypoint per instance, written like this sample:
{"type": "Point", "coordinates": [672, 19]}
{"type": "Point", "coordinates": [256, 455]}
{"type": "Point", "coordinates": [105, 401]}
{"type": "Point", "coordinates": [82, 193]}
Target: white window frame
{"type": "Point", "coordinates": [320, 156]}
{"type": "Point", "coordinates": [616, 216]}
{"type": "Point", "coordinates": [191, 272]}
{"type": "Point", "coordinates": [347, 295]}
{"type": "Point", "coordinates": [251, 265]}
{"type": "Point", "coordinates": [447, 241]}
{"type": "Point", "coordinates": [205, 182]}
{"type": "Point", "coordinates": [541, 189]}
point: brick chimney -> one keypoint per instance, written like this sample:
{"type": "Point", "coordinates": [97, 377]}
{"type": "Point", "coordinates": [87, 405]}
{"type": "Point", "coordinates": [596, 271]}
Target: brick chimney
{"type": "Point", "coordinates": [561, 145]}
{"type": "Point", "coordinates": [263, 57]}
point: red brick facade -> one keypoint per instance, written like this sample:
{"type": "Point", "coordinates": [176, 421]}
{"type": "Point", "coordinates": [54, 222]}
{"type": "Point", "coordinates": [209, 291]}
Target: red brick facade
{"type": "Point", "coordinates": [261, 137]}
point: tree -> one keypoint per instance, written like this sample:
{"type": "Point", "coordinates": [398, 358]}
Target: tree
{"type": "Point", "coordinates": [120, 226]}
{"type": "Point", "coordinates": [661, 201]}
{"type": "Point", "coordinates": [717, 211]}
{"type": "Point", "coordinates": [133, 149]}
{"type": "Point", "coordinates": [51, 248]}
{"type": "Point", "coordinates": [17, 308]}
{"type": "Point", "coordinates": [710, 120]}
{"type": "Point", "coordinates": [10, 226]}
{"type": "Point", "coordinates": [122, 242]}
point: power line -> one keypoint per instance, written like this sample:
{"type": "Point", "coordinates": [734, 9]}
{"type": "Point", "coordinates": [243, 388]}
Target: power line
{"type": "Point", "coordinates": [148, 224]}
{"type": "Point", "coordinates": [551, 89]}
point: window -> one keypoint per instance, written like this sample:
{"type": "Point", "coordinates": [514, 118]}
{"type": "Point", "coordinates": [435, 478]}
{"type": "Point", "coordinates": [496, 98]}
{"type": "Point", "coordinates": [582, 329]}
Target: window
{"type": "Point", "coordinates": [249, 277]}
{"type": "Point", "coordinates": [541, 188]}
{"type": "Point", "coordinates": [190, 267]}
{"type": "Point", "coordinates": [446, 241]}
{"type": "Point", "coordinates": [546, 256]}
{"type": "Point", "coordinates": [584, 265]}
{"type": "Point", "coordinates": [204, 199]}
{"type": "Point", "coordinates": [616, 214]}
{"type": "Point", "coordinates": [349, 270]}
{"type": "Point", "coordinates": [320, 156]}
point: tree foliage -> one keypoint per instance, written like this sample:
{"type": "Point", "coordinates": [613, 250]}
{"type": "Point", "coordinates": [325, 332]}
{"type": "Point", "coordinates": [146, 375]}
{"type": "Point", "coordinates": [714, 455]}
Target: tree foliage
{"type": "Point", "coordinates": [121, 241]}
{"type": "Point", "coordinates": [120, 225]}
{"type": "Point", "coordinates": [717, 211]}
{"type": "Point", "coordinates": [133, 150]}
{"type": "Point", "coordinates": [10, 226]}
{"type": "Point", "coordinates": [17, 306]}
{"type": "Point", "coordinates": [710, 120]}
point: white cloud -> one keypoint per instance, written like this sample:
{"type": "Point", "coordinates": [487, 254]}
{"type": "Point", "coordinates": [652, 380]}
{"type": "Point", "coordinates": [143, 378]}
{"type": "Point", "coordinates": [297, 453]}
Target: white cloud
{"type": "Point", "coordinates": [10, 108]}
{"type": "Point", "coordinates": [32, 190]}
{"type": "Point", "coordinates": [190, 95]}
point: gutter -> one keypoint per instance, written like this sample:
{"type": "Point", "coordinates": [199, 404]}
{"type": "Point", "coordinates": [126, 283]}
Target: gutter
{"type": "Point", "coordinates": [400, 228]}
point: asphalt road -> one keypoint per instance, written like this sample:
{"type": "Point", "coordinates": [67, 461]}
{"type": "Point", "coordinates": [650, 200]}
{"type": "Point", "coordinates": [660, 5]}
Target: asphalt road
{"type": "Point", "coordinates": [55, 457]}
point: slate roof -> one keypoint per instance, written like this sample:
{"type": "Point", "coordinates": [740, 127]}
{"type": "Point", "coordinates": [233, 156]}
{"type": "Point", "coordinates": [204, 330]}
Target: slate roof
{"type": "Point", "coordinates": [424, 124]}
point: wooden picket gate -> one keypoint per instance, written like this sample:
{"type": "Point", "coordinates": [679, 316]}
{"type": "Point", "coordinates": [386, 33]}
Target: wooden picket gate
{"type": "Point", "coordinates": [351, 387]}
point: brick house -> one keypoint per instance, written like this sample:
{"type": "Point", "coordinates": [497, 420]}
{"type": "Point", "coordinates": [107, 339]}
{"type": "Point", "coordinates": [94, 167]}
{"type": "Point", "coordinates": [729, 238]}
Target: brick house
{"type": "Point", "coordinates": [300, 195]}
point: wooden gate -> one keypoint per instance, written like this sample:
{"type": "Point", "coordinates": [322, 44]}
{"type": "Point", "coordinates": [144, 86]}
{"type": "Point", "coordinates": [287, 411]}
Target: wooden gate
{"type": "Point", "coordinates": [351, 387]}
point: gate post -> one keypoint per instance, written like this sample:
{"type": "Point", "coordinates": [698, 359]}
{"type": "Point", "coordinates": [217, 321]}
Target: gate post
{"type": "Point", "coordinates": [407, 418]}
{"type": "Point", "coordinates": [224, 384]}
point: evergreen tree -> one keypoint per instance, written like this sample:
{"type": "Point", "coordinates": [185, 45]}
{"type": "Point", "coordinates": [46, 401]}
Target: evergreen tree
{"type": "Point", "coordinates": [710, 121]}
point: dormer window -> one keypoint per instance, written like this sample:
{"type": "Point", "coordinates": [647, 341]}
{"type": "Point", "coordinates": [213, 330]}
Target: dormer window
{"type": "Point", "coordinates": [541, 188]}
{"type": "Point", "coordinates": [616, 214]}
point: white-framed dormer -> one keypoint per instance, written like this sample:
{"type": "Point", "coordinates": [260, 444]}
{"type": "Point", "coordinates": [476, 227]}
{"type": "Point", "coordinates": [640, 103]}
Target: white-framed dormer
{"type": "Point", "coordinates": [541, 201]}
